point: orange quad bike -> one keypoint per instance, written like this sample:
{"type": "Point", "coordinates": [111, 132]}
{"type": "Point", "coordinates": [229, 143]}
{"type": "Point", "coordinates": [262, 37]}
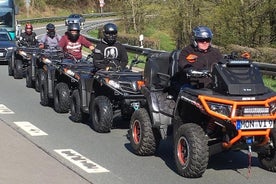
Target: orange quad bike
{"type": "Point", "coordinates": [236, 112]}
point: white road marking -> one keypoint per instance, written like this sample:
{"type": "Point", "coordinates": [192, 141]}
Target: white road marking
{"type": "Point", "coordinates": [5, 110]}
{"type": "Point", "coordinates": [30, 128]}
{"type": "Point", "coordinates": [80, 161]}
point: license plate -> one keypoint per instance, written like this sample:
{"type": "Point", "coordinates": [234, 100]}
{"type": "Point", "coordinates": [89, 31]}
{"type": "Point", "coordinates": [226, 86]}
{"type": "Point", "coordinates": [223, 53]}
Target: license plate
{"type": "Point", "coordinates": [254, 124]}
{"type": "Point", "coordinates": [1, 54]}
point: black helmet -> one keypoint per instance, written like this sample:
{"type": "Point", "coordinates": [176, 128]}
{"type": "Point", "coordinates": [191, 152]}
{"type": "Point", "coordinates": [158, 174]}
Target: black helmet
{"type": "Point", "coordinates": [50, 27]}
{"type": "Point", "coordinates": [110, 33]}
{"type": "Point", "coordinates": [51, 30]}
{"type": "Point", "coordinates": [73, 27]}
{"type": "Point", "coordinates": [201, 33]}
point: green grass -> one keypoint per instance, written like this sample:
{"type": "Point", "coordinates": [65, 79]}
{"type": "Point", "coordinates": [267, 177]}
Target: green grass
{"type": "Point", "coordinates": [270, 82]}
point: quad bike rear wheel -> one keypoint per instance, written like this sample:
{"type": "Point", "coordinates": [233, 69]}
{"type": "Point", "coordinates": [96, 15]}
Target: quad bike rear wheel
{"type": "Point", "coordinates": [191, 150]}
{"type": "Point", "coordinates": [76, 113]}
{"type": "Point", "coordinates": [29, 81]}
{"type": "Point", "coordinates": [61, 98]}
{"type": "Point", "coordinates": [18, 69]}
{"type": "Point", "coordinates": [101, 114]}
{"type": "Point", "coordinates": [268, 158]}
{"type": "Point", "coordinates": [142, 138]}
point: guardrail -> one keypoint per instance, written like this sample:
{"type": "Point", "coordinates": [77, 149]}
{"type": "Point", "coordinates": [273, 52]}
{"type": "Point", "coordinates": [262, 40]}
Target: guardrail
{"type": "Point", "coordinates": [49, 19]}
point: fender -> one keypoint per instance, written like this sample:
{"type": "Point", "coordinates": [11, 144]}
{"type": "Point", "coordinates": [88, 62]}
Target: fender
{"type": "Point", "coordinates": [159, 119]}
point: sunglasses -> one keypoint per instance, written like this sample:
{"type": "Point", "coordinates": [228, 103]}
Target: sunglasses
{"type": "Point", "coordinates": [207, 40]}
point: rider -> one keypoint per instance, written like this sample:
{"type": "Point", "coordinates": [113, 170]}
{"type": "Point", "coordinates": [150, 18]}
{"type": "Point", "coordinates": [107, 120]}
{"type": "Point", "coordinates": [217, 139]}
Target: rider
{"type": "Point", "coordinates": [110, 48]}
{"type": "Point", "coordinates": [28, 37]}
{"type": "Point", "coordinates": [198, 55]}
{"type": "Point", "coordinates": [73, 41]}
{"type": "Point", "coordinates": [51, 38]}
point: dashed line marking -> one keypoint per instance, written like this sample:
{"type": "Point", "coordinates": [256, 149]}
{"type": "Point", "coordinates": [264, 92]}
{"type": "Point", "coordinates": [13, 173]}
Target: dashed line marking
{"type": "Point", "coordinates": [80, 161]}
{"type": "Point", "coordinates": [30, 128]}
{"type": "Point", "coordinates": [5, 110]}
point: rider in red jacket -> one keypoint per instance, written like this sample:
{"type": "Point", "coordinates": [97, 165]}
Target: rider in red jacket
{"type": "Point", "coordinates": [72, 42]}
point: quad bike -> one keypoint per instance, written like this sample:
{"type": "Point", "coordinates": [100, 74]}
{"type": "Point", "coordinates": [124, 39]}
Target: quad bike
{"type": "Point", "coordinates": [114, 89]}
{"type": "Point", "coordinates": [61, 78]}
{"type": "Point", "coordinates": [80, 85]}
{"type": "Point", "coordinates": [23, 56]}
{"type": "Point", "coordinates": [38, 64]}
{"type": "Point", "coordinates": [235, 112]}
{"type": "Point", "coordinates": [76, 79]}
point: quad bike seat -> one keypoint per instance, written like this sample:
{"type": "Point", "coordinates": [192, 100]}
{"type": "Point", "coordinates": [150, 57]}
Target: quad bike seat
{"type": "Point", "coordinates": [159, 68]}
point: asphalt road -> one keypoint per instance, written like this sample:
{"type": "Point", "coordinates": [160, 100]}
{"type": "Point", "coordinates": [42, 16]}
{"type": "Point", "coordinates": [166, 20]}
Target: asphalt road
{"type": "Point", "coordinates": [107, 158]}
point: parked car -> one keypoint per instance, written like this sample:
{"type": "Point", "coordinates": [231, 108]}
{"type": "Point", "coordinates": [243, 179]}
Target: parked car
{"type": "Point", "coordinates": [7, 47]}
{"type": "Point", "coordinates": [75, 18]}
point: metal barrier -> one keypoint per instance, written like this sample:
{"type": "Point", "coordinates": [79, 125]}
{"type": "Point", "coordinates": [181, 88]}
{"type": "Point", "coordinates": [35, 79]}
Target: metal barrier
{"type": "Point", "coordinates": [49, 19]}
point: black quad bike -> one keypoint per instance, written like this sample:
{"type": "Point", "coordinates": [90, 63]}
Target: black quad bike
{"type": "Point", "coordinates": [236, 112]}
{"type": "Point", "coordinates": [61, 78]}
{"type": "Point", "coordinates": [37, 65]}
{"type": "Point", "coordinates": [23, 57]}
{"type": "Point", "coordinates": [76, 79]}
{"type": "Point", "coordinates": [80, 85]}
{"type": "Point", "coordinates": [114, 90]}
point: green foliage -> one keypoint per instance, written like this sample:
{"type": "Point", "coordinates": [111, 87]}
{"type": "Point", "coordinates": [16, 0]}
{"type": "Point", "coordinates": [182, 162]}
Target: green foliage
{"type": "Point", "coordinates": [269, 82]}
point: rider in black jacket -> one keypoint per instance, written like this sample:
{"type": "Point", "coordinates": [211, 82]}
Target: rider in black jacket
{"type": "Point", "coordinates": [109, 49]}
{"type": "Point", "coordinates": [28, 38]}
{"type": "Point", "coordinates": [198, 55]}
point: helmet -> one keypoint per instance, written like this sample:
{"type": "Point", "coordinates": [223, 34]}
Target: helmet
{"type": "Point", "coordinates": [201, 33]}
{"type": "Point", "coordinates": [51, 30]}
{"type": "Point", "coordinates": [50, 27]}
{"type": "Point", "coordinates": [73, 27]}
{"type": "Point", "coordinates": [28, 28]}
{"type": "Point", "coordinates": [110, 33]}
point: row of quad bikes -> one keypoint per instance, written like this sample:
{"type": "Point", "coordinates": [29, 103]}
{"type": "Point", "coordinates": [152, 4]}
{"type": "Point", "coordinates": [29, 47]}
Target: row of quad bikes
{"type": "Point", "coordinates": [236, 112]}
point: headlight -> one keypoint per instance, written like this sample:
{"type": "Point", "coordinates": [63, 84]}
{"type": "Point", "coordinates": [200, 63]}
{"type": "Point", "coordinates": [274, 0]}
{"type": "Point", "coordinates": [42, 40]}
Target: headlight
{"type": "Point", "coordinates": [10, 48]}
{"type": "Point", "coordinates": [22, 53]}
{"type": "Point", "coordinates": [69, 72]}
{"type": "Point", "coordinates": [221, 108]}
{"type": "Point", "coordinates": [134, 86]}
{"type": "Point", "coordinates": [137, 85]}
{"type": "Point", "coordinates": [46, 60]}
{"type": "Point", "coordinates": [114, 84]}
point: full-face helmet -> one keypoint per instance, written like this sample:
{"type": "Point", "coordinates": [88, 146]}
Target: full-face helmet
{"type": "Point", "coordinates": [73, 32]}
{"type": "Point", "coordinates": [110, 33]}
{"type": "Point", "coordinates": [51, 30]}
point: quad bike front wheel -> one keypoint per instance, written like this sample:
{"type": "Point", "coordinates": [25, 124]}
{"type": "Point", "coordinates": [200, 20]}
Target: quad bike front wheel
{"type": "Point", "coordinates": [101, 114]}
{"type": "Point", "coordinates": [142, 138]}
{"type": "Point", "coordinates": [61, 98]}
{"type": "Point", "coordinates": [191, 152]}
{"type": "Point", "coordinates": [18, 69]}
{"type": "Point", "coordinates": [38, 79]}
{"type": "Point", "coordinates": [29, 81]}
{"type": "Point", "coordinates": [75, 105]}
{"type": "Point", "coordinates": [268, 158]}
{"type": "Point", "coordinates": [44, 97]}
